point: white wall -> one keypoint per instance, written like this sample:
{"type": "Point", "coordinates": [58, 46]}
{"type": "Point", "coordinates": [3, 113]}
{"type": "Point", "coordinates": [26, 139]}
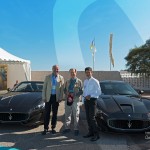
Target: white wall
{"type": "Point", "coordinates": [100, 75]}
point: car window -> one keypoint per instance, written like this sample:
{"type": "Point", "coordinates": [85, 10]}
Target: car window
{"type": "Point", "coordinates": [20, 87]}
{"type": "Point", "coordinates": [40, 87]}
{"type": "Point", "coordinates": [28, 87]}
{"type": "Point", "coordinates": [117, 88]}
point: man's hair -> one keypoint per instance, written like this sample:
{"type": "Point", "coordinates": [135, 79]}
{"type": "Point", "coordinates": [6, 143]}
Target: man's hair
{"type": "Point", "coordinates": [88, 69]}
{"type": "Point", "coordinates": [73, 69]}
{"type": "Point", "coordinates": [54, 66]}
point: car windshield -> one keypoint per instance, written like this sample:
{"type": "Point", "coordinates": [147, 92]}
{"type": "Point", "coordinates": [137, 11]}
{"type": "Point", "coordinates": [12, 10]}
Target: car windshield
{"type": "Point", "coordinates": [28, 87]}
{"type": "Point", "coordinates": [117, 88]}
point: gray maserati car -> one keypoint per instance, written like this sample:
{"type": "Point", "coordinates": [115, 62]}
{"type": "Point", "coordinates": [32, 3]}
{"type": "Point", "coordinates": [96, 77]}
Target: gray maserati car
{"type": "Point", "coordinates": [23, 104]}
{"type": "Point", "coordinates": [121, 108]}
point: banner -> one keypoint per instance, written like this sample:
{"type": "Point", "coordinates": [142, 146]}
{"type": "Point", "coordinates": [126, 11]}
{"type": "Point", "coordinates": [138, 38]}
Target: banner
{"type": "Point", "coordinates": [3, 77]}
{"type": "Point", "coordinates": [110, 50]}
{"type": "Point", "coordinates": [92, 46]}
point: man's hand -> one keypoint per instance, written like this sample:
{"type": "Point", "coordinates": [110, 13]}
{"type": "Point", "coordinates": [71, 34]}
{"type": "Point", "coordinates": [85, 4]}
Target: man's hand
{"type": "Point", "coordinates": [72, 94]}
{"type": "Point", "coordinates": [59, 100]}
{"type": "Point", "coordinates": [88, 97]}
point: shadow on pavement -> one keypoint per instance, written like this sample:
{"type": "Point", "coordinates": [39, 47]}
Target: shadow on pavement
{"type": "Point", "coordinates": [35, 140]}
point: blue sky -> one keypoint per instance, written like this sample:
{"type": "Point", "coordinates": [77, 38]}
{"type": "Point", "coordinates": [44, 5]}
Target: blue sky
{"type": "Point", "coordinates": [49, 32]}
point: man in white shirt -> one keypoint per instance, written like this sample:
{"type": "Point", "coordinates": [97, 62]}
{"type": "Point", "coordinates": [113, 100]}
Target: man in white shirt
{"type": "Point", "coordinates": [91, 92]}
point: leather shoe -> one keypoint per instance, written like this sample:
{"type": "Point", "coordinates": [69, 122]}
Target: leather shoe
{"type": "Point", "coordinates": [45, 132]}
{"type": "Point", "coordinates": [88, 135]}
{"type": "Point", "coordinates": [66, 131]}
{"type": "Point", "coordinates": [53, 131]}
{"type": "Point", "coordinates": [76, 132]}
{"type": "Point", "coordinates": [95, 137]}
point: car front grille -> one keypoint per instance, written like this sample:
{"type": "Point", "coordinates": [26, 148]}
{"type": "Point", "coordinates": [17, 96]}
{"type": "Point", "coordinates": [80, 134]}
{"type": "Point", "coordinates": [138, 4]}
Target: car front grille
{"type": "Point", "coordinates": [13, 117]}
{"type": "Point", "coordinates": [129, 124]}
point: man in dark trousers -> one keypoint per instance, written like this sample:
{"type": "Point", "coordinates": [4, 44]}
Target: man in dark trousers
{"type": "Point", "coordinates": [91, 92]}
{"type": "Point", "coordinates": [52, 94]}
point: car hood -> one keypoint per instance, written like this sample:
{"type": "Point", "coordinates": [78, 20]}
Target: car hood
{"type": "Point", "coordinates": [18, 101]}
{"type": "Point", "coordinates": [122, 104]}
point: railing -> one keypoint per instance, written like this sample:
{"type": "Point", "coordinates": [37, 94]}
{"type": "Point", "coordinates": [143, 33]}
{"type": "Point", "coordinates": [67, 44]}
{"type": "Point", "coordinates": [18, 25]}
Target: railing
{"type": "Point", "coordinates": [137, 82]}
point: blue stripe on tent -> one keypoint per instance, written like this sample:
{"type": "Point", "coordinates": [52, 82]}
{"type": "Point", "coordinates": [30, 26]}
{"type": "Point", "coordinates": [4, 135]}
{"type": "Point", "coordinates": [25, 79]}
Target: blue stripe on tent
{"type": "Point", "coordinates": [7, 148]}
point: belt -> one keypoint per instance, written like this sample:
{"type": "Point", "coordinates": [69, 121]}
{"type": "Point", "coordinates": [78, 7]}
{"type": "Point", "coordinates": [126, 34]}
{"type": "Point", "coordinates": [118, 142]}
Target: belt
{"type": "Point", "coordinates": [92, 98]}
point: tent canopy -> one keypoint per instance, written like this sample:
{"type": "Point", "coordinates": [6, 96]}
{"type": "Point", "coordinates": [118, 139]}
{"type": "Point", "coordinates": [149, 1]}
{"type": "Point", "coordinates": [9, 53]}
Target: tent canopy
{"type": "Point", "coordinates": [7, 58]}
{"type": "Point", "coordinates": [18, 68]}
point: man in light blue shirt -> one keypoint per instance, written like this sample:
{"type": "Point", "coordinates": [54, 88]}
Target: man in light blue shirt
{"type": "Point", "coordinates": [52, 94]}
{"type": "Point", "coordinates": [91, 92]}
{"type": "Point", "coordinates": [54, 83]}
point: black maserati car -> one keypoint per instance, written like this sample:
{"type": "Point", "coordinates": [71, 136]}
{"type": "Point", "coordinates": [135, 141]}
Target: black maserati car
{"type": "Point", "coordinates": [121, 108]}
{"type": "Point", "coordinates": [23, 104]}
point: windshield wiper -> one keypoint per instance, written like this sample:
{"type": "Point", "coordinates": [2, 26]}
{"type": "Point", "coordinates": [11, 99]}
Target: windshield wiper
{"type": "Point", "coordinates": [133, 95]}
{"type": "Point", "coordinates": [129, 95]}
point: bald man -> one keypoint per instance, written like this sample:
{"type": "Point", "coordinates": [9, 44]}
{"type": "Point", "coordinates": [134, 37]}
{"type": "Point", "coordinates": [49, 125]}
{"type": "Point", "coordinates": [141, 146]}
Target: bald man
{"type": "Point", "coordinates": [52, 94]}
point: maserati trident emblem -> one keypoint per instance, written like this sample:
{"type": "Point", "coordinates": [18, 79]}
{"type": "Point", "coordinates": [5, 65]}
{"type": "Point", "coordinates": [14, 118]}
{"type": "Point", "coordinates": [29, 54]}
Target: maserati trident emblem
{"type": "Point", "coordinates": [10, 117]}
{"type": "Point", "coordinates": [129, 124]}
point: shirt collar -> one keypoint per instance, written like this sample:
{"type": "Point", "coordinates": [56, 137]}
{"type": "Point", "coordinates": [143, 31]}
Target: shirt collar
{"type": "Point", "coordinates": [54, 75]}
{"type": "Point", "coordinates": [73, 78]}
{"type": "Point", "coordinates": [89, 78]}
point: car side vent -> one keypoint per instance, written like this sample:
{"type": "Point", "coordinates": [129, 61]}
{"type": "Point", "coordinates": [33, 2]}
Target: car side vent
{"type": "Point", "coordinates": [126, 108]}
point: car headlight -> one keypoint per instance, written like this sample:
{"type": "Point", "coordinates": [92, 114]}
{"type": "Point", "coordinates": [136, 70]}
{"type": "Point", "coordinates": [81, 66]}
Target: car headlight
{"type": "Point", "coordinates": [148, 115]}
{"type": "Point", "coordinates": [145, 116]}
{"type": "Point", "coordinates": [39, 106]}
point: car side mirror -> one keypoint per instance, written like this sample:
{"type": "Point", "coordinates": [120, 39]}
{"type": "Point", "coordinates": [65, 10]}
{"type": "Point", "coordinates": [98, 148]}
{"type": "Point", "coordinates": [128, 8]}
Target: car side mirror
{"type": "Point", "coordinates": [141, 92]}
{"type": "Point", "coordinates": [8, 89]}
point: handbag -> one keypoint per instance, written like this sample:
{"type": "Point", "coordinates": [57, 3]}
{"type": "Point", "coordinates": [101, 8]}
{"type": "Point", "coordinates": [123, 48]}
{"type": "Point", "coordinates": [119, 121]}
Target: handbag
{"type": "Point", "coordinates": [69, 99]}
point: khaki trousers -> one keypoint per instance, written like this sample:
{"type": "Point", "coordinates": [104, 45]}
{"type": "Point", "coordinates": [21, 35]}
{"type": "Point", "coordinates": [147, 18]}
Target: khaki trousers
{"type": "Point", "coordinates": [69, 111]}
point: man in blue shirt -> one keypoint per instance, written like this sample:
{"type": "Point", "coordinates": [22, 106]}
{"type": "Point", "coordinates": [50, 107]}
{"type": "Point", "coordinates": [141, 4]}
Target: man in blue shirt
{"type": "Point", "coordinates": [52, 94]}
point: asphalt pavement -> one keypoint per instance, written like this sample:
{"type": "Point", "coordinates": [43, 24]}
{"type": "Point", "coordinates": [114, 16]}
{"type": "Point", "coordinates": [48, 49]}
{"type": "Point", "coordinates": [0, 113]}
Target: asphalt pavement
{"type": "Point", "coordinates": [18, 137]}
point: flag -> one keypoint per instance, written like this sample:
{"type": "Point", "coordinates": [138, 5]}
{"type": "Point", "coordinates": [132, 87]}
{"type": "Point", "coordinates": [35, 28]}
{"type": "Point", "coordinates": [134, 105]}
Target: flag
{"type": "Point", "coordinates": [92, 46]}
{"type": "Point", "coordinates": [110, 50]}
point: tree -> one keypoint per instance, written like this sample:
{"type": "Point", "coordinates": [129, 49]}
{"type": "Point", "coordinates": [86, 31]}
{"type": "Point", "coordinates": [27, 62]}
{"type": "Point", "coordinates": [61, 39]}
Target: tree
{"type": "Point", "coordinates": [147, 44]}
{"type": "Point", "coordinates": [138, 59]}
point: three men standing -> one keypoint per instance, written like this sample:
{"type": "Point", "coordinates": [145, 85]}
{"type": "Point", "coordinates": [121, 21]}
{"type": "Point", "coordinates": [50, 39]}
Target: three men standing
{"type": "Point", "coordinates": [52, 94]}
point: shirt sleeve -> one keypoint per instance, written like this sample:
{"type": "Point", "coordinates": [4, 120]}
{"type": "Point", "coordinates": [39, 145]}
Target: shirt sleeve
{"type": "Point", "coordinates": [97, 91]}
{"type": "Point", "coordinates": [83, 92]}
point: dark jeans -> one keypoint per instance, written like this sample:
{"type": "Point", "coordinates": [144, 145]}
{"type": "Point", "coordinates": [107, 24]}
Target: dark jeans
{"type": "Point", "coordinates": [51, 105]}
{"type": "Point", "coordinates": [90, 109]}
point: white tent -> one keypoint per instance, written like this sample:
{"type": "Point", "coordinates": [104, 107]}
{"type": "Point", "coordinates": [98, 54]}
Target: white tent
{"type": "Point", "coordinates": [17, 68]}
